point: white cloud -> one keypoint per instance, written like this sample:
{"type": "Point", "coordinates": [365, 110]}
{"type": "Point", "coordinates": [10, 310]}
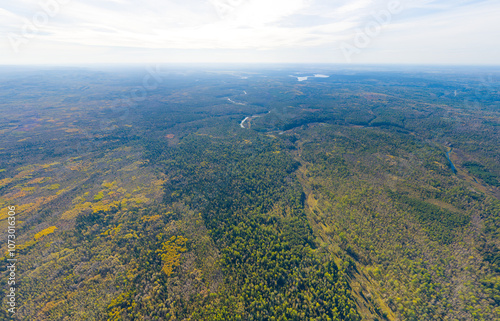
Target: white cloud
{"type": "Point", "coordinates": [272, 25]}
{"type": "Point", "coordinates": [353, 6]}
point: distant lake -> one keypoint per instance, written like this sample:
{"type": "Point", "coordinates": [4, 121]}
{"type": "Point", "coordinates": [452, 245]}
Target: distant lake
{"type": "Point", "coordinates": [304, 78]}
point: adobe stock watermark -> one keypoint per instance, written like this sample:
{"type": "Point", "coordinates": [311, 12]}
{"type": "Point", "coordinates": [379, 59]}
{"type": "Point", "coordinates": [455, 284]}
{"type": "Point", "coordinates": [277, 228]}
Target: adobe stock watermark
{"type": "Point", "coordinates": [120, 110]}
{"type": "Point", "coordinates": [137, 94]}
{"type": "Point", "coordinates": [11, 260]}
{"type": "Point", "coordinates": [363, 37]}
{"type": "Point", "coordinates": [31, 28]}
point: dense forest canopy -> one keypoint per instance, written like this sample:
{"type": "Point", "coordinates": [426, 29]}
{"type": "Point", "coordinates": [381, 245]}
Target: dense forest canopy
{"type": "Point", "coordinates": [249, 193]}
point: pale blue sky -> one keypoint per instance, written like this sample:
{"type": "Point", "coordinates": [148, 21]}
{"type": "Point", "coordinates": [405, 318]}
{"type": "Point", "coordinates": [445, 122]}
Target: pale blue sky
{"type": "Point", "coordinates": [303, 31]}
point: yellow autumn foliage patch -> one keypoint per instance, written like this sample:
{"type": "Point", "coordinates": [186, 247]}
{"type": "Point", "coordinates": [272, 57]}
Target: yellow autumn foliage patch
{"type": "Point", "coordinates": [37, 180]}
{"type": "Point", "coordinates": [74, 212]}
{"type": "Point", "coordinates": [26, 208]}
{"type": "Point", "coordinates": [170, 253]}
{"type": "Point", "coordinates": [112, 231]}
{"type": "Point", "coordinates": [110, 185]}
{"type": "Point", "coordinates": [53, 187]}
{"type": "Point", "coordinates": [4, 212]}
{"type": "Point", "coordinates": [47, 231]}
{"type": "Point", "coordinates": [152, 218]}
{"type": "Point", "coordinates": [5, 181]}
